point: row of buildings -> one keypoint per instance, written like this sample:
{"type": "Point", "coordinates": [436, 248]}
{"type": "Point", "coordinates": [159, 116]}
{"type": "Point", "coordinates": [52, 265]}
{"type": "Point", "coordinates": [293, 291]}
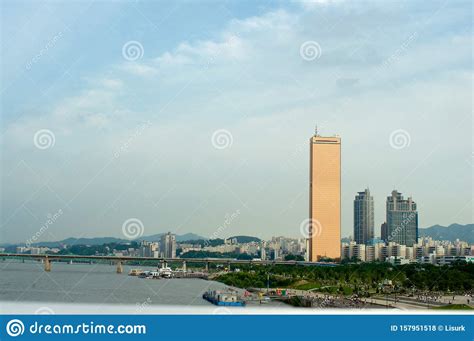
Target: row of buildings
{"type": "Point", "coordinates": [275, 249]}
{"type": "Point", "coordinates": [165, 248]}
{"type": "Point", "coordinates": [426, 250]}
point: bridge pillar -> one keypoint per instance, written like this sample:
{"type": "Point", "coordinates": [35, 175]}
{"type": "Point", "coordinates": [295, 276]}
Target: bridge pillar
{"type": "Point", "coordinates": [119, 267]}
{"type": "Point", "coordinates": [165, 264]}
{"type": "Point", "coordinates": [47, 264]}
{"type": "Point", "coordinates": [184, 266]}
{"type": "Point", "coordinates": [207, 266]}
{"type": "Point", "coordinates": [228, 266]}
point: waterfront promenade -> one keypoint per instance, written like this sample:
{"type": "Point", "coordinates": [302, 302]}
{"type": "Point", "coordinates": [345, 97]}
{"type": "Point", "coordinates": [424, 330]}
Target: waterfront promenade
{"type": "Point", "coordinates": [311, 298]}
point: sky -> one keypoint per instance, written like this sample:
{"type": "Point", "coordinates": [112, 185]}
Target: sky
{"type": "Point", "coordinates": [127, 119]}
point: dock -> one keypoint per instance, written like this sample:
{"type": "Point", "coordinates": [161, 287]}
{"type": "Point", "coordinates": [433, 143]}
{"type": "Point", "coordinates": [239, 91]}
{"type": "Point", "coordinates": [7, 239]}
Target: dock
{"type": "Point", "coordinates": [181, 274]}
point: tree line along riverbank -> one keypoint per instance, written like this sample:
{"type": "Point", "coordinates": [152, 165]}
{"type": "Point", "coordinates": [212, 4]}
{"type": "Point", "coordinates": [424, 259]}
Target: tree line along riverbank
{"type": "Point", "coordinates": [363, 279]}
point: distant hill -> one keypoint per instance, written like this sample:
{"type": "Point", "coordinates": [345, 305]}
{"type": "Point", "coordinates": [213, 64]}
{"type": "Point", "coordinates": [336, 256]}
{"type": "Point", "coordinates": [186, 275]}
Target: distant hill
{"type": "Point", "coordinates": [179, 238]}
{"type": "Point", "coordinates": [451, 232]}
{"type": "Point", "coordinates": [205, 242]}
{"type": "Point", "coordinates": [245, 239]}
{"type": "Point", "coordinates": [82, 241]}
{"type": "Point", "coordinates": [104, 240]}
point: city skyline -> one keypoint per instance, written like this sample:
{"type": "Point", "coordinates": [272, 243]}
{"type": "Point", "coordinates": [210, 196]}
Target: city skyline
{"type": "Point", "coordinates": [426, 249]}
{"type": "Point", "coordinates": [196, 118]}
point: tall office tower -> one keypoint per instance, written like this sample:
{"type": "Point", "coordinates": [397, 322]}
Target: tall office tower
{"type": "Point", "coordinates": [363, 217]}
{"type": "Point", "coordinates": [168, 245]}
{"type": "Point", "coordinates": [402, 220]}
{"type": "Point", "coordinates": [325, 198]}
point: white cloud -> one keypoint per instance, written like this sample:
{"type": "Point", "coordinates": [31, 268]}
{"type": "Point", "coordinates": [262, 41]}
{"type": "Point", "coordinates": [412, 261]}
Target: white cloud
{"type": "Point", "coordinates": [139, 69]}
{"type": "Point", "coordinates": [114, 84]}
{"type": "Point", "coordinates": [315, 4]}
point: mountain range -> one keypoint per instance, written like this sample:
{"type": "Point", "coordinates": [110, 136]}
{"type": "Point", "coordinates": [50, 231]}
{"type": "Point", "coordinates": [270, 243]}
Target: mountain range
{"type": "Point", "coordinates": [451, 232]}
{"type": "Point", "coordinates": [107, 240]}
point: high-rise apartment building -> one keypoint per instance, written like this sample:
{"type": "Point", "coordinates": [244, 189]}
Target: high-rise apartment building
{"type": "Point", "coordinates": [148, 249]}
{"type": "Point", "coordinates": [402, 220]}
{"type": "Point", "coordinates": [363, 217]}
{"type": "Point", "coordinates": [325, 198]}
{"type": "Point", "coordinates": [168, 245]}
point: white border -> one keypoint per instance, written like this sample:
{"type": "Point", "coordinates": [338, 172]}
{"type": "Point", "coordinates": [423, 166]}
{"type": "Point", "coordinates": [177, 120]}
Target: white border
{"type": "Point", "coordinates": [29, 308]}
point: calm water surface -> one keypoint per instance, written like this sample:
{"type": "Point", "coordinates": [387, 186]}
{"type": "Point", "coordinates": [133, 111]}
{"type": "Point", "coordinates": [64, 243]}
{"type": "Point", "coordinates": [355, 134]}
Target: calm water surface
{"type": "Point", "coordinates": [96, 283]}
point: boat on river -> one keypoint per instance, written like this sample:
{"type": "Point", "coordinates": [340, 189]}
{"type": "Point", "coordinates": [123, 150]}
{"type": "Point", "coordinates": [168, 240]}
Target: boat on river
{"type": "Point", "coordinates": [135, 272]}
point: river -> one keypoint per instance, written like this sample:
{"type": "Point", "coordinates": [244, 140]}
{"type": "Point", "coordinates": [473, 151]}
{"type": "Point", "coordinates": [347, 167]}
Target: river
{"type": "Point", "coordinates": [95, 283]}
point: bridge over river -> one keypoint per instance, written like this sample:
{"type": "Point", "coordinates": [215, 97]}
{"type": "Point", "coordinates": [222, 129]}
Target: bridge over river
{"type": "Point", "coordinates": [119, 260]}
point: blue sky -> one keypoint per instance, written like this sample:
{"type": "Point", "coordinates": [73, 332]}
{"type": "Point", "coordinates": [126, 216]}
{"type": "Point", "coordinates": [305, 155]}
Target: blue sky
{"type": "Point", "coordinates": [133, 138]}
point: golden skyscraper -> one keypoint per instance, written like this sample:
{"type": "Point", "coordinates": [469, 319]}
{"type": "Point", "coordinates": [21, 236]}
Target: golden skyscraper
{"type": "Point", "coordinates": [325, 198]}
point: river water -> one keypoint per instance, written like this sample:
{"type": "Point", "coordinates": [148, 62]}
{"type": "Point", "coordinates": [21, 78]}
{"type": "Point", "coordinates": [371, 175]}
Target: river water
{"type": "Point", "coordinates": [97, 284]}
{"type": "Point", "coordinates": [24, 285]}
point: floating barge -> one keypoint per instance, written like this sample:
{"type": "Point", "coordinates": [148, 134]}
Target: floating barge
{"type": "Point", "coordinates": [181, 274]}
{"type": "Point", "coordinates": [223, 298]}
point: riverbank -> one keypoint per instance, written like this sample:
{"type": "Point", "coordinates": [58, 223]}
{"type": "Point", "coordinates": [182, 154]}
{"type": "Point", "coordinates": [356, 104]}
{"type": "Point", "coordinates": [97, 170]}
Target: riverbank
{"type": "Point", "coordinates": [406, 287]}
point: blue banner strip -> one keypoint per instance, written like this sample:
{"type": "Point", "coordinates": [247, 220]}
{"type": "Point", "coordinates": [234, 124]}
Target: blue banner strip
{"type": "Point", "coordinates": [238, 327]}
